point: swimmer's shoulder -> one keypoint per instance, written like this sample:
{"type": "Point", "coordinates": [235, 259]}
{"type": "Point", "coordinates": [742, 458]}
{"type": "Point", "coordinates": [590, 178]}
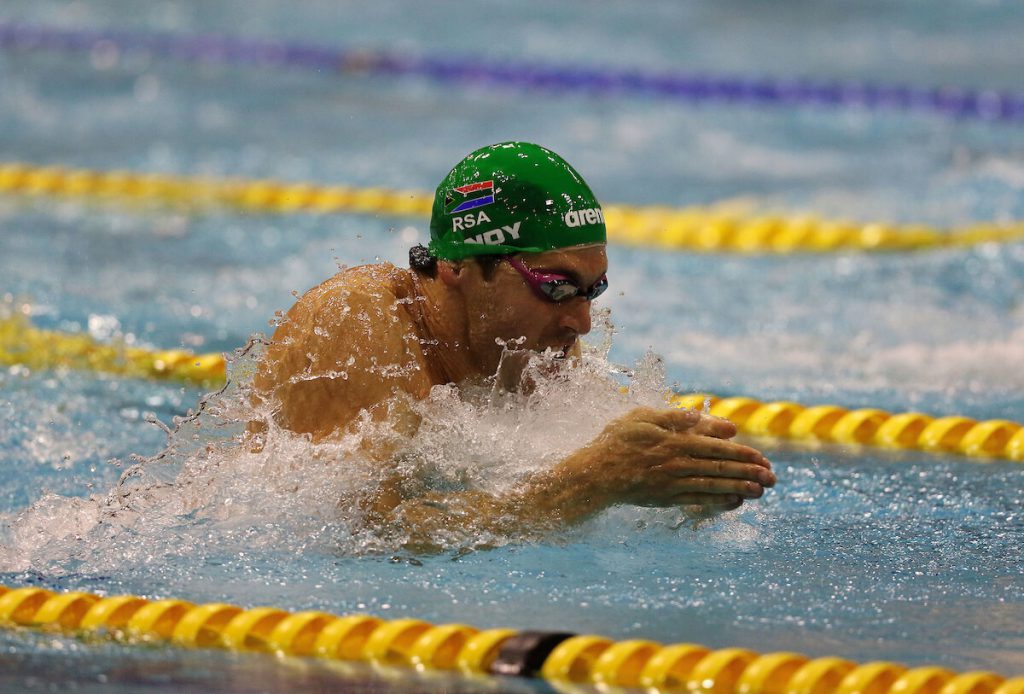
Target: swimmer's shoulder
{"type": "Point", "coordinates": [360, 312]}
{"type": "Point", "coordinates": [381, 283]}
{"type": "Point", "coordinates": [356, 313]}
{"type": "Point", "coordinates": [360, 288]}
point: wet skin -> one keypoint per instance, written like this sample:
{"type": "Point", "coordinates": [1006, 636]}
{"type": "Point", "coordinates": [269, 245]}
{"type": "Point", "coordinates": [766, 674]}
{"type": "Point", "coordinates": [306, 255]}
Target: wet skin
{"type": "Point", "coordinates": [370, 335]}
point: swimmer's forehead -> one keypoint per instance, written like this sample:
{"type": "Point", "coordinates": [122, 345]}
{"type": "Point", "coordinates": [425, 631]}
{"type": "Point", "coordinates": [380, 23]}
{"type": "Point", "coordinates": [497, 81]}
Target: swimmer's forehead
{"type": "Point", "coordinates": [581, 260]}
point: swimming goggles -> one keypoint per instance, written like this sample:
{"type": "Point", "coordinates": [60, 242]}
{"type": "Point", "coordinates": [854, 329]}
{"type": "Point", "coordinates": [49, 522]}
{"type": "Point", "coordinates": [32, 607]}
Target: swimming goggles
{"type": "Point", "coordinates": [554, 287]}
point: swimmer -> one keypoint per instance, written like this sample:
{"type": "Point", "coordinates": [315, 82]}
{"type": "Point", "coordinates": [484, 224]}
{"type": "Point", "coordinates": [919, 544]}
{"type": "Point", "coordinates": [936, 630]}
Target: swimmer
{"type": "Point", "coordinates": [516, 256]}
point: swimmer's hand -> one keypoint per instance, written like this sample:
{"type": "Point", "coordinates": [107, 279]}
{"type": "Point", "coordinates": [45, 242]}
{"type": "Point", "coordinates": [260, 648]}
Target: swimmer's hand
{"type": "Point", "coordinates": [651, 457]}
{"type": "Point", "coordinates": [647, 457]}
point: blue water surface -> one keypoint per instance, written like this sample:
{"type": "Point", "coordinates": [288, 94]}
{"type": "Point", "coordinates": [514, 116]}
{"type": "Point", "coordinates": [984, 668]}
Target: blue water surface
{"type": "Point", "coordinates": [858, 552]}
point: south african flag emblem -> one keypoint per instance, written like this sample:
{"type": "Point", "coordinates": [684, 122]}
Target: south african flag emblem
{"type": "Point", "coordinates": [469, 197]}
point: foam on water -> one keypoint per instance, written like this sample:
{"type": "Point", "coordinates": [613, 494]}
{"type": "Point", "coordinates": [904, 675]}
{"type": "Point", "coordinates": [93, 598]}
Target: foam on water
{"type": "Point", "coordinates": [210, 491]}
{"type": "Point", "coordinates": [855, 554]}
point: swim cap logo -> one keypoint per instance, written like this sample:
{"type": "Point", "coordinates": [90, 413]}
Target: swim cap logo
{"type": "Point", "coordinates": [469, 197]}
{"type": "Point", "coordinates": [578, 218]}
{"type": "Point", "coordinates": [495, 237]}
{"type": "Point", "coordinates": [513, 197]}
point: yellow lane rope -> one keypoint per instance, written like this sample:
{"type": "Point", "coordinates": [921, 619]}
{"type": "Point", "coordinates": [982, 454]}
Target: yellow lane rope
{"type": "Point", "coordinates": [23, 344]}
{"type": "Point", "coordinates": [726, 227]}
{"type": "Point", "coordinates": [988, 439]}
{"type": "Point", "coordinates": [459, 648]}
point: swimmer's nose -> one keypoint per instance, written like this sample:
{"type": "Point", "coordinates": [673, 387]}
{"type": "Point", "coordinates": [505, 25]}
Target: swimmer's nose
{"type": "Point", "coordinates": [576, 316]}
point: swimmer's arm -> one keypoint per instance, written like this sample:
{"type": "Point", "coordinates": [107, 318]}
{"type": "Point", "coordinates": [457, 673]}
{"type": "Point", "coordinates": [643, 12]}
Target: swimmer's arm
{"type": "Point", "coordinates": [658, 458]}
{"type": "Point", "coordinates": [647, 457]}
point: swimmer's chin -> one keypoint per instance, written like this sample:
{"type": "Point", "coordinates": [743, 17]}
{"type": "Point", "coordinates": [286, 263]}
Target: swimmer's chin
{"type": "Point", "coordinates": [569, 349]}
{"type": "Point", "coordinates": [561, 350]}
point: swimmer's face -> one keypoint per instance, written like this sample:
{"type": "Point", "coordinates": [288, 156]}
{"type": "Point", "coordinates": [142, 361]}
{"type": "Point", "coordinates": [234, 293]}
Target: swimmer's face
{"type": "Point", "coordinates": [505, 309]}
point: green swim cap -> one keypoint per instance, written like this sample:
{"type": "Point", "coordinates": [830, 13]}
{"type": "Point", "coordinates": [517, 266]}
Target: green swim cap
{"type": "Point", "coordinates": [513, 197]}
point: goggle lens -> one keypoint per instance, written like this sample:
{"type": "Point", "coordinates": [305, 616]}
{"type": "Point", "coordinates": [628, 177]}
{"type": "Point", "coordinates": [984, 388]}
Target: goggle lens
{"type": "Point", "coordinates": [598, 288]}
{"type": "Point", "coordinates": [556, 287]}
{"type": "Point", "coordinates": [563, 290]}
{"type": "Point", "coordinates": [559, 290]}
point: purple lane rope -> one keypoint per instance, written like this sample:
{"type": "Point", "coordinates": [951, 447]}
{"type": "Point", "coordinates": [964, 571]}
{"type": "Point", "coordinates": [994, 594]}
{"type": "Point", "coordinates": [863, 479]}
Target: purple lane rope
{"type": "Point", "coordinates": [688, 88]}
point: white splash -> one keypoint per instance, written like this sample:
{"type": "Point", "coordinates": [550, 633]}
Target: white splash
{"type": "Point", "coordinates": [212, 492]}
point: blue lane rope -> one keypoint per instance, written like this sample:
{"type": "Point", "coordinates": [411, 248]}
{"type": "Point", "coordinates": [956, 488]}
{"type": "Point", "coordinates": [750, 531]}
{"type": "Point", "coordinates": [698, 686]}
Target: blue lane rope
{"type": "Point", "coordinates": [686, 88]}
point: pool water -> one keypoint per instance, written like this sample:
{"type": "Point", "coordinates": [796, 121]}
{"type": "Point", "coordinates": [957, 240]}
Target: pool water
{"type": "Point", "coordinates": [858, 552]}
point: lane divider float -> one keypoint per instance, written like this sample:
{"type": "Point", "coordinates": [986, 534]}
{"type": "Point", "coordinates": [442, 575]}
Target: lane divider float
{"type": "Point", "coordinates": [729, 226]}
{"type": "Point", "coordinates": [982, 440]}
{"type": "Point", "coordinates": [563, 658]}
{"type": "Point", "coordinates": [677, 87]}
{"type": "Point", "coordinates": [25, 345]}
